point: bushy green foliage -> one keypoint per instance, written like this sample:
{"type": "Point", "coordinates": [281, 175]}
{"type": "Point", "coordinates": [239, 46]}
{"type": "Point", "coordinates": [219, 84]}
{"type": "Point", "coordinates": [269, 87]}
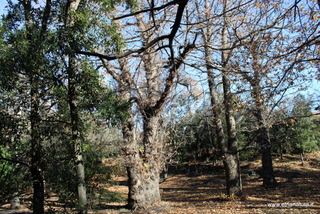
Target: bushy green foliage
{"type": "Point", "coordinates": [305, 137]}
{"type": "Point", "coordinates": [296, 131]}
{"type": "Point", "coordinates": [7, 172]}
{"type": "Point", "coordinates": [246, 153]}
{"type": "Point", "coordinates": [281, 132]}
{"type": "Point", "coordinates": [193, 137]}
{"type": "Point", "coordinates": [60, 173]}
{"type": "Point", "coordinates": [12, 175]}
{"type": "Point", "coordinates": [31, 53]}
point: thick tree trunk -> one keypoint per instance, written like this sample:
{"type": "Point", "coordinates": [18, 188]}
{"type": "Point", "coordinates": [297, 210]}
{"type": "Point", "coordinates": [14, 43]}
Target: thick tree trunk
{"type": "Point", "coordinates": [143, 185]}
{"type": "Point", "coordinates": [144, 158]}
{"type": "Point", "coordinates": [145, 166]}
{"type": "Point", "coordinates": [267, 168]}
{"type": "Point", "coordinates": [233, 180]}
{"type": "Point", "coordinates": [131, 146]}
{"type": "Point", "coordinates": [139, 194]}
{"type": "Point", "coordinates": [143, 179]}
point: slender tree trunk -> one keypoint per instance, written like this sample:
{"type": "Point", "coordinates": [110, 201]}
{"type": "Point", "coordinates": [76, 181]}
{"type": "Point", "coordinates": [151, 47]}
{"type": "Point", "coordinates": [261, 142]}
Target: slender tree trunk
{"type": "Point", "coordinates": [32, 70]}
{"type": "Point", "coordinates": [75, 137]}
{"type": "Point", "coordinates": [74, 113]}
{"type": "Point", "coordinates": [231, 156]}
{"type": "Point", "coordinates": [302, 157]}
{"type": "Point", "coordinates": [130, 146]}
{"type": "Point", "coordinates": [280, 145]}
{"type": "Point", "coordinates": [217, 113]}
{"type": "Point", "coordinates": [264, 140]}
{"type": "Point", "coordinates": [229, 146]}
{"type": "Point", "coordinates": [132, 158]}
{"type": "Point", "coordinates": [36, 149]}
{"type": "Point", "coordinates": [263, 137]}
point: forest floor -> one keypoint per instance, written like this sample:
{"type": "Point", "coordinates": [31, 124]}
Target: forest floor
{"type": "Point", "coordinates": [199, 188]}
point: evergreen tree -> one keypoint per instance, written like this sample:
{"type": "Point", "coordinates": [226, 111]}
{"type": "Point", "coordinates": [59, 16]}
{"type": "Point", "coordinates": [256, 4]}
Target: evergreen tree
{"type": "Point", "coordinates": [41, 80]}
{"type": "Point", "coordinates": [305, 137]}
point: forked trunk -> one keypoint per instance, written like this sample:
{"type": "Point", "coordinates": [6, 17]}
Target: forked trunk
{"type": "Point", "coordinates": [231, 157]}
{"type": "Point", "coordinates": [144, 158]}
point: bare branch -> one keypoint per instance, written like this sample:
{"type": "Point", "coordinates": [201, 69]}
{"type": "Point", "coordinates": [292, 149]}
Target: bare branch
{"type": "Point", "coordinates": [172, 74]}
{"type": "Point", "coordinates": [14, 161]}
{"type": "Point", "coordinates": [313, 41]}
{"type": "Point", "coordinates": [127, 53]}
{"type": "Point", "coordinates": [175, 27]}
{"type": "Point", "coordinates": [151, 9]}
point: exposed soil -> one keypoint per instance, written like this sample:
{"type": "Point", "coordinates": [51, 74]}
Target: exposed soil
{"type": "Point", "coordinates": [200, 189]}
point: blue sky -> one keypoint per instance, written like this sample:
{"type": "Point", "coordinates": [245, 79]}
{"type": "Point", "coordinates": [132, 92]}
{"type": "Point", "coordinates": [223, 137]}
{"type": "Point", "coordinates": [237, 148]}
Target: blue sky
{"type": "Point", "coordinates": [3, 3]}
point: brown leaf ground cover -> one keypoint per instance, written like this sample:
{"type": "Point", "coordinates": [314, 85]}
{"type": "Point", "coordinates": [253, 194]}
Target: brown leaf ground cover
{"type": "Point", "coordinates": [199, 188]}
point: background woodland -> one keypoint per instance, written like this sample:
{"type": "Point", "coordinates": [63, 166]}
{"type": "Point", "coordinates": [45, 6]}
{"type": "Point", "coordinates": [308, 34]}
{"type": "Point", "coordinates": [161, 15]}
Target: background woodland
{"type": "Point", "coordinates": [92, 88]}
